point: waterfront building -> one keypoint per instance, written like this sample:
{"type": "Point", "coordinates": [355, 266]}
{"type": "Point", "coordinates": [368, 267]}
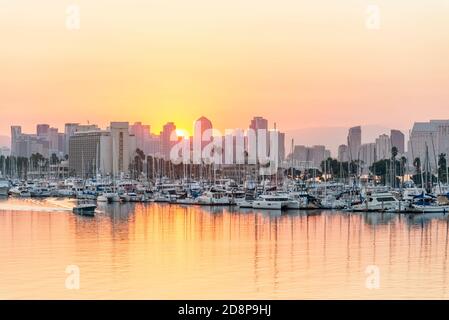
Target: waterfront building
{"type": "Point", "coordinates": [383, 147]}
{"type": "Point", "coordinates": [69, 130]}
{"type": "Point", "coordinates": [342, 153]}
{"type": "Point", "coordinates": [167, 142]}
{"type": "Point", "coordinates": [367, 156]}
{"type": "Point", "coordinates": [142, 134]}
{"type": "Point", "coordinates": [42, 130]}
{"type": "Point", "coordinates": [106, 152]}
{"type": "Point", "coordinates": [398, 140]}
{"type": "Point", "coordinates": [24, 145]}
{"type": "Point", "coordinates": [153, 145]}
{"type": "Point", "coordinates": [260, 127]}
{"type": "Point", "coordinates": [313, 156]}
{"type": "Point", "coordinates": [354, 142]}
{"type": "Point", "coordinates": [428, 140]}
{"type": "Point", "coordinates": [200, 139]}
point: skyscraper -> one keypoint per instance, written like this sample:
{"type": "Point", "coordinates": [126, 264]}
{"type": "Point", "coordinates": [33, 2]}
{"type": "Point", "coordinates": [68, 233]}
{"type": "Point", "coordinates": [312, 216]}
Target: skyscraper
{"type": "Point", "coordinates": [42, 130]}
{"type": "Point", "coordinates": [69, 130]}
{"type": "Point", "coordinates": [383, 147]}
{"type": "Point", "coordinates": [428, 140]}
{"type": "Point", "coordinates": [142, 134]}
{"type": "Point", "coordinates": [16, 132]}
{"type": "Point", "coordinates": [201, 126]}
{"type": "Point", "coordinates": [398, 140]}
{"type": "Point", "coordinates": [106, 152]}
{"type": "Point", "coordinates": [367, 156]}
{"type": "Point", "coordinates": [166, 141]}
{"type": "Point", "coordinates": [354, 142]}
{"type": "Point", "coordinates": [342, 153]}
{"type": "Point", "coordinates": [260, 127]}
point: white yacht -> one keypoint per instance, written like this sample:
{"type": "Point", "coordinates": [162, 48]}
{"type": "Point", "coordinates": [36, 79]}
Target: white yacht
{"type": "Point", "coordinates": [377, 202]}
{"type": "Point", "coordinates": [274, 201]}
{"type": "Point", "coordinates": [214, 197]}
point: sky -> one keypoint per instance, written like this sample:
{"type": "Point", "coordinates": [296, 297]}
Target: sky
{"type": "Point", "coordinates": [301, 64]}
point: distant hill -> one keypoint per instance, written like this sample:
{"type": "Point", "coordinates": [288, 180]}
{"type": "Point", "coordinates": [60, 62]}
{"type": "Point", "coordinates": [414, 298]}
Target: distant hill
{"type": "Point", "coordinates": [5, 141]}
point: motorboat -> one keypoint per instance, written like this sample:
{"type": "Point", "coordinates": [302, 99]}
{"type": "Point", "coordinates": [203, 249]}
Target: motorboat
{"type": "Point", "coordinates": [274, 201]}
{"type": "Point", "coordinates": [85, 209]}
{"type": "Point", "coordinates": [214, 197]}
{"type": "Point", "coordinates": [383, 201]}
{"type": "Point", "coordinates": [4, 187]}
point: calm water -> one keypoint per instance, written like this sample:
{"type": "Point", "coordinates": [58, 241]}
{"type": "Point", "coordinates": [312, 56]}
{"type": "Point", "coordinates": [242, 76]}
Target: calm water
{"type": "Point", "coordinates": [161, 251]}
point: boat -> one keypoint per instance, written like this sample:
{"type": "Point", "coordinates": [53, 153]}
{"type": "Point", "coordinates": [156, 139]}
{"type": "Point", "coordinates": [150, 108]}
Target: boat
{"type": "Point", "coordinates": [85, 209]}
{"type": "Point", "coordinates": [246, 202]}
{"type": "Point", "coordinates": [102, 198]}
{"type": "Point", "coordinates": [214, 197]}
{"type": "Point", "coordinates": [377, 202]}
{"type": "Point", "coordinates": [4, 187]}
{"type": "Point", "coordinates": [273, 201]}
{"type": "Point", "coordinates": [426, 203]}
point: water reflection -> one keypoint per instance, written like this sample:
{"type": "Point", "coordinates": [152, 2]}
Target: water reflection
{"type": "Point", "coordinates": [157, 251]}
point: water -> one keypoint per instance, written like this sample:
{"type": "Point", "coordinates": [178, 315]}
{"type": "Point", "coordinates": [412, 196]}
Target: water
{"type": "Point", "coordinates": [161, 251]}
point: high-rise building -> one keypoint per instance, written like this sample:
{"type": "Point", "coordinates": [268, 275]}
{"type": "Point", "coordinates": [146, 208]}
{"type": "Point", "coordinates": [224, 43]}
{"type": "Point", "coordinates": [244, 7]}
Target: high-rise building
{"type": "Point", "coordinates": [16, 132]}
{"type": "Point", "coordinates": [142, 134]}
{"type": "Point", "coordinates": [106, 152]}
{"type": "Point", "coordinates": [310, 156]}
{"type": "Point", "coordinates": [24, 145]}
{"type": "Point", "coordinates": [69, 130]}
{"type": "Point", "coordinates": [168, 132]}
{"type": "Point", "coordinates": [398, 140]}
{"type": "Point", "coordinates": [383, 147]}
{"type": "Point", "coordinates": [53, 139]}
{"type": "Point", "coordinates": [367, 156]}
{"type": "Point", "coordinates": [281, 147]}
{"type": "Point", "coordinates": [354, 142]}
{"type": "Point", "coordinates": [260, 127]}
{"type": "Point", "coordinates": [200, 140]}
{"type": "Point", "coordinates": [153, 145]}
{"type": "Point", "coordinates": [427, 141]}
{"type": "Point", "coordinates": [342, 153]}
{"type": "Point", "coordinates": [42, 130]}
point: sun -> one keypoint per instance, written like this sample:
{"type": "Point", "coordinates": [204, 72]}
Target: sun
{"type": "Point", "coordinates": [182, 133]}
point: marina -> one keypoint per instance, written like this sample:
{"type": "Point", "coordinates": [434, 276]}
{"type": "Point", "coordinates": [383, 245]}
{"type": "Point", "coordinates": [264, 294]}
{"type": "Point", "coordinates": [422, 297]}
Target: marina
{"type": "Point", "coordinates": [290, 195]}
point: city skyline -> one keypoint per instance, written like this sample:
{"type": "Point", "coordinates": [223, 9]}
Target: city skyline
{"type": "Point", "coordinates": [331, 137]}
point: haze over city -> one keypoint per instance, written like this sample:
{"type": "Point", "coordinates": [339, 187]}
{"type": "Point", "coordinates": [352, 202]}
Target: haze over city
{"type": "Point", "coordinates": [300, 64]}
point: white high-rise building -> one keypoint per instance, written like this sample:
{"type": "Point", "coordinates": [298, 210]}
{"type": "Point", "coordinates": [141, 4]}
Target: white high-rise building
{"type": "Point", "coordinates": [354, 142]}
{"type": "Point", "coordinates": [107, 152]}
{"type": "Point", "coordinates": [343, 153]}
{"type": "Point", "coordinates": [428, 138]}
{"type": "Point", "coordinates": [367, 156]}
{"type": "Point", "coordinates": [383, 147]}
{"type": "Point", "coordinates": [168, 131]}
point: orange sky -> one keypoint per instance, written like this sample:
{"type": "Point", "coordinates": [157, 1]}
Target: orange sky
{"type": "Point", "coordinates": [299, 63]}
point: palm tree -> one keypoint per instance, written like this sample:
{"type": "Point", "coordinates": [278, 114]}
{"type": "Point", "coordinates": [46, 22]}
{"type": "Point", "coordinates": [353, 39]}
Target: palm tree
{"type": "Point", "coordinates": [417, 165]}
{"type": "Point", "coordinates": [403, 164]}
{"type": "Point", "coordinates": [442, 165]}
{"type": "Point", "coordinates": [394, 154]}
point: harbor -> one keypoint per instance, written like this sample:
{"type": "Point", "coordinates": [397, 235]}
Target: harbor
{"type": "Point", "coordinates": [290, 195]}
